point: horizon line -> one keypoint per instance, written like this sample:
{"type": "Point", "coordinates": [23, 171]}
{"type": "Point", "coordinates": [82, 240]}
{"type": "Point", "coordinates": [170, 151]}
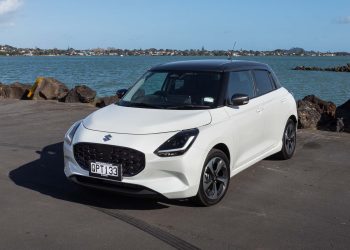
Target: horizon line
{"type": "Point", "coordinates": [173, 49]}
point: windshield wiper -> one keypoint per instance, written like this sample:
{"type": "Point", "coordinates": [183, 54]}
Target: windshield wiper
{"type": "Point", "coordinates": [145, 105]}
{"type": "Point", "coordinates": [189, 106]}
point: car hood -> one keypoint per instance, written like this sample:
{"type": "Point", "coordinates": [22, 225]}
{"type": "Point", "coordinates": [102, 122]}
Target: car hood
{"type": "Point", "coordinates": [128, 120]}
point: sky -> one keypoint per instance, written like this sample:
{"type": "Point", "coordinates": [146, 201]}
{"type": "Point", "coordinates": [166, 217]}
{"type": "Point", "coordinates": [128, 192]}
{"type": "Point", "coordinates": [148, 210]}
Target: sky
{"type": "Point", "coordinates": [182, 24]}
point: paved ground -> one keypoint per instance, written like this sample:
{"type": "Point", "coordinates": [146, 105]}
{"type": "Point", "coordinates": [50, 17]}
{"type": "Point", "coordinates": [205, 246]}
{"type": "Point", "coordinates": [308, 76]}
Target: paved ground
{"type": "Point", "coordinates": [303, 203]}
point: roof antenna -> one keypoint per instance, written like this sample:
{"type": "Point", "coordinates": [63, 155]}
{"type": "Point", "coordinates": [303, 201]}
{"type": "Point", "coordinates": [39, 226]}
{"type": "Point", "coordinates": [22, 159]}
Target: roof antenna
{"type": "Point", "coordinates": [231, 54]}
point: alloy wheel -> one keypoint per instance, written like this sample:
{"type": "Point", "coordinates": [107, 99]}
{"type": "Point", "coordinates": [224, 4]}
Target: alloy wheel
{"type": "Point", "coordinates": [215, 178]}
{"type": "Point", "coordinates": [290, 138]}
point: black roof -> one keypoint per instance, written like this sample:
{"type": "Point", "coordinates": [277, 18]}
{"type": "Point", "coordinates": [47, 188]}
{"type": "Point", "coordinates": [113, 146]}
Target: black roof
{"type": "Point", "coordinates": [214, 65]}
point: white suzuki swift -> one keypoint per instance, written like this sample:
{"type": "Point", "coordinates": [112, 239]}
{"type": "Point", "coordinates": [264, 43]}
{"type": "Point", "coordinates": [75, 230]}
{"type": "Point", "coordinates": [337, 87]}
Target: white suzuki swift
{"type": "Point", "coordinates": [183, 130]}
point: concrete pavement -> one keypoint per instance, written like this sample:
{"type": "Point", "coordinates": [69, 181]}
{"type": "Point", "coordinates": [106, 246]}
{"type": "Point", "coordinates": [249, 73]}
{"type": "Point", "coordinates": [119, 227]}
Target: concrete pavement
{"type": "Point", "coordinates": [300, 203]}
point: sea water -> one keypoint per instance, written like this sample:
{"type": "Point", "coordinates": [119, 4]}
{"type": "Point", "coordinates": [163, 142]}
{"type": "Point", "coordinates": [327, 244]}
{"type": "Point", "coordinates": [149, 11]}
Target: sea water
{"type": "Point", "coordinates": [107, 74]}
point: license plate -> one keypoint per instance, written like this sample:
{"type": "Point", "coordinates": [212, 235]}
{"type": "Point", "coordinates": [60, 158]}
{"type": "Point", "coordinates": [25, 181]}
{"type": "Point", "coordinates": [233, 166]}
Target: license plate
{"type": "Point", "coordinates": [106, 170]}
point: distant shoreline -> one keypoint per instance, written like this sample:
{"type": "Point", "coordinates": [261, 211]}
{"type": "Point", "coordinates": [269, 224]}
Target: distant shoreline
{"type": "Point", "coordinates": [7, 50]}
{"type": "Point", "coordinates": [234, 57]}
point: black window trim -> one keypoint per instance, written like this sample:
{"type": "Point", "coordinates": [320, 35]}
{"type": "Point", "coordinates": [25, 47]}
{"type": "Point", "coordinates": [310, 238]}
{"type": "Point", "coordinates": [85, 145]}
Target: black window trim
{"type": "Point", "coordinates": [273, 81]}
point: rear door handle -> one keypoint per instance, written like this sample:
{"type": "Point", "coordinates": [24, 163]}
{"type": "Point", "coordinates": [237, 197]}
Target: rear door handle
{"type": "Point", "coordinates": [260, 109]}
{"type": "Point", "coordinates": [284, 100]}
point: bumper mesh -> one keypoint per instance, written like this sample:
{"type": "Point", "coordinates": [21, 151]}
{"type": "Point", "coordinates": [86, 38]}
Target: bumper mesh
{"type": "Point", "coordinates": [132, 161]}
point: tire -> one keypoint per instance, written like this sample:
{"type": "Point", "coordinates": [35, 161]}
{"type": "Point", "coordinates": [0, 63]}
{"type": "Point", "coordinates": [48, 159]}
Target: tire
{"type": "Point", "coordinates": [289, 141]}
{"type": "Point", "coordinates": [215, 179]}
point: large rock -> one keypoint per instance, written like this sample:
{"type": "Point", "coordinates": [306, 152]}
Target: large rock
{"type": "Point", "coordinates": [343, 117]}
{"type": "Point", "coordinates": [308, 115]}
{"type": "Point", "coordinates": [326, 108]}
{"type": "Point", "coordinates": [345, 68]}
{"type": "Point", "coordinates": [14, 91]}
{"type": "Point", "coordinates": [316, 113]}
{"type": "Point", "coordinates": [19, 90]}
{"type": "Point", "coordinates": [4, 91]}
{"type": "Point", "coordinates": [51, 89]}
{"type": "Point", "coordinates": [72, 96]}
{"type": "Point", "coordinates": [107, 100]}
{"type": "Point", "coordinates": [82, 94]}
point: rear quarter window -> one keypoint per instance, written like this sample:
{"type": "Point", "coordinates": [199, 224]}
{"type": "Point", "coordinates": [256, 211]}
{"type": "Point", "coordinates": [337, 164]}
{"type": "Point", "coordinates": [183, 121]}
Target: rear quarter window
{"type": "Point", "coordinates": [263, 82]}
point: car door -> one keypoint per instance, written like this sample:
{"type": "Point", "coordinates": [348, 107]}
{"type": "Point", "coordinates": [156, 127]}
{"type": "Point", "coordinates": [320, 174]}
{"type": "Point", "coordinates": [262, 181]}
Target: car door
{"type": "Point", "coordinates": [245, 122]}
{"type": "Point", "coordinates": [270, 107]}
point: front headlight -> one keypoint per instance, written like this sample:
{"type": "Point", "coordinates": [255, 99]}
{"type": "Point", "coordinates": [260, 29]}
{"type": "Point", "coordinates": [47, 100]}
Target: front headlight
{"type": "Point", "coordinates": [68, 138]}
{"type": "Point", "coordinates": [178, 144]}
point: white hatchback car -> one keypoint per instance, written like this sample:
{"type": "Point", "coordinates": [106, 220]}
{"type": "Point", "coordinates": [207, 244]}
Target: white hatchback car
{"type": "Point", "coordinates": [183, 130]}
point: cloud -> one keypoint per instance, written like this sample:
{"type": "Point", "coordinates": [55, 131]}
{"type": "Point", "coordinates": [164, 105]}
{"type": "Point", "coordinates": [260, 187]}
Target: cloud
{"type": "Point", "coordinates": [9, 6]}
{"type": "Point", "coordinates": [7, 12]}
{"type": "Point", "coordinates": [343, 20]}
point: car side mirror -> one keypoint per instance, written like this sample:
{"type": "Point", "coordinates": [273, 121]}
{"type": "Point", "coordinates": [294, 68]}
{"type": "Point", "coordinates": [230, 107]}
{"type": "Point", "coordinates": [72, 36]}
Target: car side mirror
{"type": "Point", "coordinates": [121, 92]}
{"type": "Point", "coordinates": [239, 99]}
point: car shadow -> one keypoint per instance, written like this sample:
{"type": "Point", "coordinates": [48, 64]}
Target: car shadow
{"type": "Point", "coordinates": [45, 175]}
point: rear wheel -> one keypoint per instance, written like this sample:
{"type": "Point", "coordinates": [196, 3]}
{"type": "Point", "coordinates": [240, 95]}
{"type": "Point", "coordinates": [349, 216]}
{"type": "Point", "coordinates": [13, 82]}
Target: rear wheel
{"type": "Point", "coordinates": [215, 178]}
{"type": "Point", "coordinates": [288, 141]}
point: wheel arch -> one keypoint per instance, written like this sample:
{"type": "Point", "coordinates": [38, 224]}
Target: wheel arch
{"type": "Point", "coordinates": [294, 119]}
{"type": "Point", "coordinates": [223, 148]}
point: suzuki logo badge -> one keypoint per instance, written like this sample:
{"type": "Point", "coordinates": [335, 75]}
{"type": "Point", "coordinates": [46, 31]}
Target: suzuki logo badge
{"type": "Point", "coordinates": [107, 137]}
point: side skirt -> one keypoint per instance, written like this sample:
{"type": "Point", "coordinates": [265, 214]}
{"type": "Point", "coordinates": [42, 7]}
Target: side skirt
{"type": "Point", "coordinates": [268, 153]}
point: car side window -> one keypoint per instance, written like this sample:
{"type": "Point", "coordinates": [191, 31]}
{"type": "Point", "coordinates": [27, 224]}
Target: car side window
{"type": "Point", "coordinates": [263, 82]}
{"type": "Point", "coordinates": [240, 82]}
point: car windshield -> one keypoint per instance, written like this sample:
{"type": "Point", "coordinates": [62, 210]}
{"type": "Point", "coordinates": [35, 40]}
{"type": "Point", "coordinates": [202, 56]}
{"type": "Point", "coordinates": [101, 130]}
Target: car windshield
{"type": "Point", "coordinates": [175, 90]}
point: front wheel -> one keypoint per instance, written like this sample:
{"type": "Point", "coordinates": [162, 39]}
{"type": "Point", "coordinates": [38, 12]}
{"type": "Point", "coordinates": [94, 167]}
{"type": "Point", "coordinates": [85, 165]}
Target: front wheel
{"type": "Point", "coordinates": [215, 178]}
{"type": "Point", "coordinates": [289, 141]}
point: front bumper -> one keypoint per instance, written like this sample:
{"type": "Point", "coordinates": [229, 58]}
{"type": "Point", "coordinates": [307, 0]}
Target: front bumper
{"type": "Point", "coordinates": [114, 186]}
{"type": "Point", "coordinates": [172, 177]}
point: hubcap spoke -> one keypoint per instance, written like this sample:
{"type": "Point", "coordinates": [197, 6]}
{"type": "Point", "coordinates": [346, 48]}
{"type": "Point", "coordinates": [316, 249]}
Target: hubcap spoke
{"type": "Point", "coordinates": [221, 163]}
{"type": "Point", "coordinates": [222, 180]}
{"type": "Point", "coordinates": [215, 191]}
{"type": "Point", "coordinates": [206, 184]}
{"type": "Point", "coordinates": [211, 167]}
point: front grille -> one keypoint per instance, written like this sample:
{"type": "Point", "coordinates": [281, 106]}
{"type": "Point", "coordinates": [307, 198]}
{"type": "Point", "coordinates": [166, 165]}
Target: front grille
{"type": "Point", "coordinates": [132, 161]}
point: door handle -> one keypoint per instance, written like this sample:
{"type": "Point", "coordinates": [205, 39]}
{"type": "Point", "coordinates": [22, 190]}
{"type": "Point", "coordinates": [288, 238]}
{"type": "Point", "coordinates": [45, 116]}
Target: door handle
{"type": "Point", "coordinates": [260, 109]}
{"type": "Point", "coordinates": [284, 100]}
